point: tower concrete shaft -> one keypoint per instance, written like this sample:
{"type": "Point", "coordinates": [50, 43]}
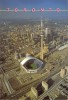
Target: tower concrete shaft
{"type": "Point", "coordinates": [41, 56]}
{"type": "Point", "coordinates": [41, 47]}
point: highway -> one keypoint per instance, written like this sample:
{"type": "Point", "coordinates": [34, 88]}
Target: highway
{"type": "Point", "coordinates": [54, 86]}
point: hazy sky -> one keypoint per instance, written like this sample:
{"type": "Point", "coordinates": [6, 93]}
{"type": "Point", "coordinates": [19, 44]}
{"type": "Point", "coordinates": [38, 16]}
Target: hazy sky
{"type": "Point", "coordinates": [29, 4]}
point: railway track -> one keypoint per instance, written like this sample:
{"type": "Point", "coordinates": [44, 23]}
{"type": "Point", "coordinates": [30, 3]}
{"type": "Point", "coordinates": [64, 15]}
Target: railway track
{"type": "Point", "coordinates": [26, 88]}
{"type": "Point", "coordinates": [54, 86]}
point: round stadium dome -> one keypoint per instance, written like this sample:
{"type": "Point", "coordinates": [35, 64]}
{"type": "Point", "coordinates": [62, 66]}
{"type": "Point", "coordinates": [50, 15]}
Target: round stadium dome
{"type": "Point", "coordinates": [31, 64]}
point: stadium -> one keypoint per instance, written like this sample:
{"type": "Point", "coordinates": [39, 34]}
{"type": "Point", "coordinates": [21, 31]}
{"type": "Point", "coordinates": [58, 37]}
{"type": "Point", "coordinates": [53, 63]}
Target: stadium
{"type": "Point", "coordinates": [31, 64]}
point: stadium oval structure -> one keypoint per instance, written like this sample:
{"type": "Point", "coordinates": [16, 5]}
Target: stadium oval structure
{"type": "Point", "coordinates": [31, 64]}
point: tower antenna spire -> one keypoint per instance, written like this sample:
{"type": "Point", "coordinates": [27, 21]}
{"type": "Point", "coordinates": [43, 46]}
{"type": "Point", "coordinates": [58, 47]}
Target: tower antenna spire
{"type": "Point", "coordinates": [41, 24]}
